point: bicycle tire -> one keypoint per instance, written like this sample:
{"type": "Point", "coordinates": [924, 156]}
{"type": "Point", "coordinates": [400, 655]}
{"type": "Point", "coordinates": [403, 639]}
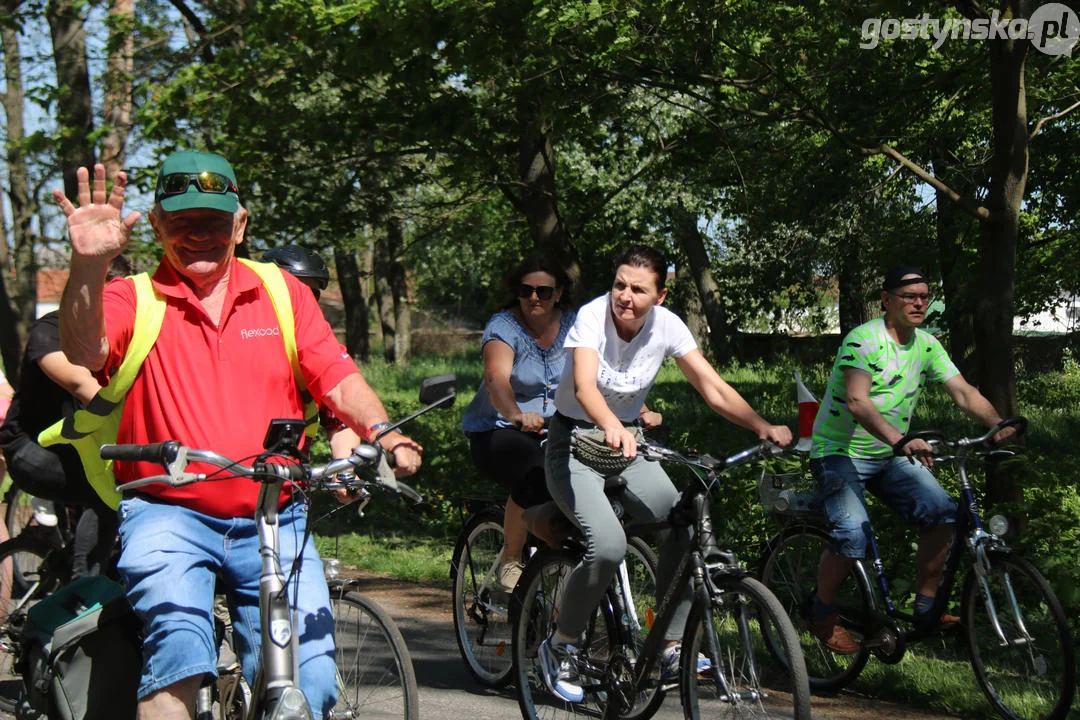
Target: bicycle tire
{"type": "Point", "coordinates": [534, 607]}
{"type": "Point", "coordinates": [534, 610]}
{"type": "Point", "coordinates": [790, 573]}
{"type": "Point", "coordinates": [19, 516]}
{"type": "Point", "coordinates": [50, 574]}
{"type": "Point", "coordinates": [739, 610]}
{"type": "Point", "coordinates": [641, 569]}
{"type": "Point", "coordinates": [375, 671]}
{"type": "Point", "coordinates": [481, 611]}
{"type": "Point", "coordinates": [1021, 680]}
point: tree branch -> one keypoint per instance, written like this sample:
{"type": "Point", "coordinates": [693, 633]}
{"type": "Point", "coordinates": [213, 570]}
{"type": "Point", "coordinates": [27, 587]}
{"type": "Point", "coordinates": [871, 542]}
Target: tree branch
{"type": "Point", "coordinates": [1051, 118]}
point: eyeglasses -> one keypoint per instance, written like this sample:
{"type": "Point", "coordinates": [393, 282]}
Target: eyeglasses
{"type": "Point", "coordinates": [206, 181]}
{"type": "Point", "coordinates": [543, 292]}
{"type": "Point", "coordinates": [910, 298]}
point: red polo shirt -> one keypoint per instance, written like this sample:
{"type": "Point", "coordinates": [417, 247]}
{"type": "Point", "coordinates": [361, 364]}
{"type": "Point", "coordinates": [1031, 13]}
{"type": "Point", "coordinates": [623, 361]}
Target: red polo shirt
{"type": "Point", "coordinates": [216, 387]}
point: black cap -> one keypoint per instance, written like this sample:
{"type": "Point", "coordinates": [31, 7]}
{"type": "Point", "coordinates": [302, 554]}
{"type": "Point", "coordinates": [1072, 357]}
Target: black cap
{"type": "Point", "coordinates": [895, 277]}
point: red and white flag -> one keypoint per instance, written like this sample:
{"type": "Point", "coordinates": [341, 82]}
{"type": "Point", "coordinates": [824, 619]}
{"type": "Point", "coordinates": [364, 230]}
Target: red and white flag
{"type": "Point", "coordinates": [808, 409]}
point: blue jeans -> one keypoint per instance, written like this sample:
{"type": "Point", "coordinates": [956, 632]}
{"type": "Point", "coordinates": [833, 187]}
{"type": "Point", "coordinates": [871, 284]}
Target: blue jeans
{"type": "Point", "coordinates": [168, 564]}
{"type": "Point", "coordinates": [910, 490]}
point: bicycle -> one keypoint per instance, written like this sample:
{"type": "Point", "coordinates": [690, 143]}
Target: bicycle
{"type": "Point", "coordinates": [732, 618]}
{"type": "Point", "coordinates": [275, 693]}
{"type": "Point", "coordinates": [482, 608]}
{"type": "Point", "coordinates": [1018, 638]}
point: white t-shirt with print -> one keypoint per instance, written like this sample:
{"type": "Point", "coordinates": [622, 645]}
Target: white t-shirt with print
{"type": "Point", "coordinates": [627, 369]}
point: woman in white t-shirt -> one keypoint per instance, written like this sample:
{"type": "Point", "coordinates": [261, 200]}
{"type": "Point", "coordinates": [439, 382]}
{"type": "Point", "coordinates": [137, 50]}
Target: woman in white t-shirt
{"type": "Point", "coordinates": [616, 348]}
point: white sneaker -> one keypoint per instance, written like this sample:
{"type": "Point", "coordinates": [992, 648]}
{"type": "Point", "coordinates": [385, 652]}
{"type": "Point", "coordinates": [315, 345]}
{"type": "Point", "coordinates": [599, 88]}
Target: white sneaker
{"type": "Point", "coordinates": [44, 511]}
{"type": "Point", "coordinates": [558, 664]}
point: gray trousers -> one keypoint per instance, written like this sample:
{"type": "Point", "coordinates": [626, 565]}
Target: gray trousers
{"type": "Point", "coordinates": [579, 492]}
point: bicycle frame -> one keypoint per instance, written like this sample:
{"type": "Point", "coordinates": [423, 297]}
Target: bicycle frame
{"type": "Point", "coordinates": [692, 509]}
{"type": "Point", "coordinates": [968, 535]}
{"type": "Point", "coordinates": [276, 693]}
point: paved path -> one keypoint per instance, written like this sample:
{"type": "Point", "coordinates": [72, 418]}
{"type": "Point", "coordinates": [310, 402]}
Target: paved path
{"type": "Point", "coordinates": [448, 692]}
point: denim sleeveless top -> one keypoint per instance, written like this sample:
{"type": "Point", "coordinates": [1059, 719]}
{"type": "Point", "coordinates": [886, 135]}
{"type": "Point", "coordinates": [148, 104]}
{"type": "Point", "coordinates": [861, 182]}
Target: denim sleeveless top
{"type": "Point", "coordinates": [534, 376]}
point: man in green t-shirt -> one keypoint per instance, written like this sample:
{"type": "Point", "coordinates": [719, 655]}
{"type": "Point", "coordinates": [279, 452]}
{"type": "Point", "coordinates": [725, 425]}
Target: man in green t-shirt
{"type": "Point", "coordinates": [880, 370]}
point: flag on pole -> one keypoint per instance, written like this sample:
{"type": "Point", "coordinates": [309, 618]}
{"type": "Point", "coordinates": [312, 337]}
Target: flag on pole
{"type": "Point", "coordinates": [808, 409]}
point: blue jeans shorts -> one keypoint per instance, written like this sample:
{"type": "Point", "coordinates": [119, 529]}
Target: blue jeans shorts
{"type": "Point", "coordinates": [910, 490]}
{"type": "Point", "coordinates": [168, 563]}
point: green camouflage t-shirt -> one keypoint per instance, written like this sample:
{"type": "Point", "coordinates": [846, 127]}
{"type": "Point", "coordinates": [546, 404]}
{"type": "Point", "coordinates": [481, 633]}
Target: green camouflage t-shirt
{"type": "Point", "coordinates": [898, 374]}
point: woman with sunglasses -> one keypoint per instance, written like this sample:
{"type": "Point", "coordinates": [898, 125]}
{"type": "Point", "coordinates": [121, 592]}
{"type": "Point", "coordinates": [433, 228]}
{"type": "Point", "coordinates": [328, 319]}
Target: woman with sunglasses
{"type": "Point", "coordinates": [614, 352]}
{"type": "Point", "coordinates": [523, 360]}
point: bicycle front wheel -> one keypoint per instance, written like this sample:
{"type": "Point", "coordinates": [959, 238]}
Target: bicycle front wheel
{"type": "Point", "coordinates": [790, 572]}
{"type": "Point", "coordinates": [742, 682]}
{"type": "Point", "coordinates": [481, 609]}
{"type": "Point", "coordinates": [534, 611]}
{"type": "Point", "coordinates": [19, 591]}
{"type": "Point", "coordinates": [375, 672]}
{"type": "Point", "coordinates": [1021, 647]}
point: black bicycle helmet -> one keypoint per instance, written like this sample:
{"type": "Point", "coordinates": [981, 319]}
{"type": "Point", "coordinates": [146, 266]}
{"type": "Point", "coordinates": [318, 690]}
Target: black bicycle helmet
{"type": "Point", "coordinates": [300, 262]}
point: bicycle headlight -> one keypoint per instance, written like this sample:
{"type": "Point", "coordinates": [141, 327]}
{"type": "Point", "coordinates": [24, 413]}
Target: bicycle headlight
{"type": "Point", "coordinates": [999, 525]}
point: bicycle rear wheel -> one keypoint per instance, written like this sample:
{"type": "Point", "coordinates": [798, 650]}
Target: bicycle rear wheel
{"type": "Point", "coordinates": [743, 683]}
{"type": "Point", "coordinates": [375, 672]}
{"type": "Point", "coordinates": [481, 610]}
{"type": "Point", "coordinates": [534, 611]}
{"type": "Point", "coordinates": [1027, 671]}
{"type": "Point", "coordinates": [16, 599]}
{"type": "Point", "coordinates": [790, 573]}
{"type": "Point", "coordinates": [18, 517]}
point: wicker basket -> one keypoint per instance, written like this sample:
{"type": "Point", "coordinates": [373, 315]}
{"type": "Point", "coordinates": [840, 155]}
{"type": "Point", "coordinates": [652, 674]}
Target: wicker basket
{"type": "Point", "coordinates": [793, 494]}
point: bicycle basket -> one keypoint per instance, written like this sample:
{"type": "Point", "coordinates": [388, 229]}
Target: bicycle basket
{"type": "Point", "coordinates": [590, 449]}
{"type": "Point", "coordinates": [791, 494]}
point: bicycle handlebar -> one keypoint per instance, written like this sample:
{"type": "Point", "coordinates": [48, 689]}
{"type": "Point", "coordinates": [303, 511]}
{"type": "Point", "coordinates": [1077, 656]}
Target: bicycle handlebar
{"type": "Point", "coordinates": [653, 451]}
{"type": "Point", "coordinates": [979, 445]}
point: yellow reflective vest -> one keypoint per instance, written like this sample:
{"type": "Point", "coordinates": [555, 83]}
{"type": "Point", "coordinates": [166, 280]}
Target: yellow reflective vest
{"type": "Point", "coordinates": [98, 423]}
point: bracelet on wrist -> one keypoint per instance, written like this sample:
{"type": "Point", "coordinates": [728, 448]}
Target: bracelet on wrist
{"type": "Point", "coordinates": [377, 428]}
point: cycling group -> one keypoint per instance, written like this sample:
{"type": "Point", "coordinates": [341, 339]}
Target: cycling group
{"type": "Point", "coordinates": [550, 374]}
{"type": "Point", "coordinates": [210, 349]}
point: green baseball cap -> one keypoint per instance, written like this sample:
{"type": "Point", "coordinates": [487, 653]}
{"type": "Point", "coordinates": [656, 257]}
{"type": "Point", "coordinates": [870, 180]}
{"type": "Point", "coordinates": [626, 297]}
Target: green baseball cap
{"type": "Point", "coordinates": [193, 179]}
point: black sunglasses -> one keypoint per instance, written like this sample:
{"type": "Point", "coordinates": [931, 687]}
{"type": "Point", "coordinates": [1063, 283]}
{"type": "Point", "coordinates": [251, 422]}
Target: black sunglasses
{"type": "Point", "coordinates": [543, 292]}
{"type": "Point", "coordinates": [205, 181]}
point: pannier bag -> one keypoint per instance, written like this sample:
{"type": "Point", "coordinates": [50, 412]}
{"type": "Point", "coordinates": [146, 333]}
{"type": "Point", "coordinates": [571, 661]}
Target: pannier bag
{"type": "Point", "coordinates": [81, 655]}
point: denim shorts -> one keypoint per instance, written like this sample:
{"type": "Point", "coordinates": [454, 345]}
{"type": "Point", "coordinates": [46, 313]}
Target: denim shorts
{"type": "Point", "coordinates": [910, 490]}
{"type": "Point", "coordinates": [168, 564]}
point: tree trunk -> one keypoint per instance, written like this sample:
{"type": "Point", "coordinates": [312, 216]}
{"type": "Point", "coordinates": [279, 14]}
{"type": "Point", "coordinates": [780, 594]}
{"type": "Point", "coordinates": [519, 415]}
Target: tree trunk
{"type": "Point", "coordinates": [18, 299]}
{"type": "Point", "coordinates": [690, 302]}
{"type": "Point", "coordinates": [536, 169]}
{"type": "Point", "coordinates": [74, 107]}
{"type": "Point", "coordinates": [400, 293]}
{"type": "Point", "coordinates": [853, 290]}
{"type": "Point", "coordinates": [384, 295]}
{"type": "Point", "coordinates": [997, 252]}
{"type": "Point", "coordinates": [690, 241]}
{"type": "Point", "coordinates": [118, 86]}
{"type": "Point", "coordinates": [954, 233]}
{"type": "Point", "coordinates": [353, 296]}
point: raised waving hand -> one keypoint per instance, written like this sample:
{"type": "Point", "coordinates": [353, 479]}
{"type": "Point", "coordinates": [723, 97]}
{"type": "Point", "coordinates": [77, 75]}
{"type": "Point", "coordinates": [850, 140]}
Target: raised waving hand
{"type": "Point", "coordinates": [96, 226]}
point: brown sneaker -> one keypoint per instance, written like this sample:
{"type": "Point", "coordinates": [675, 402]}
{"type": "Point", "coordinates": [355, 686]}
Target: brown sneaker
{"type": "Point", "coordinates": [945, 623]}
{"type": "Point", "coordinates": [834, 635]}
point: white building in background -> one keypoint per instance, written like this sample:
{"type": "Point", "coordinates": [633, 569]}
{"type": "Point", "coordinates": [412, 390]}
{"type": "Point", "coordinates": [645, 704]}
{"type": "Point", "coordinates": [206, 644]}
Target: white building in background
{"type": "Point", "coordinates": [1062, 318]}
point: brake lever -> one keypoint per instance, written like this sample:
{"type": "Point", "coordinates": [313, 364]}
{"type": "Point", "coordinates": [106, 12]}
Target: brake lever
{"type": "Point", "coordinates": [185, 479]}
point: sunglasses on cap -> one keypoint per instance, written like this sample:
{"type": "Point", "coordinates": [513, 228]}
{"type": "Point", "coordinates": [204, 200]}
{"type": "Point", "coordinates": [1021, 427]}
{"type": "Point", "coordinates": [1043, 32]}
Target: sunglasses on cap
{"type": "Point", "coordinates": [543, 292]}
{"type": "Point", "coordinates": [205, 181]}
